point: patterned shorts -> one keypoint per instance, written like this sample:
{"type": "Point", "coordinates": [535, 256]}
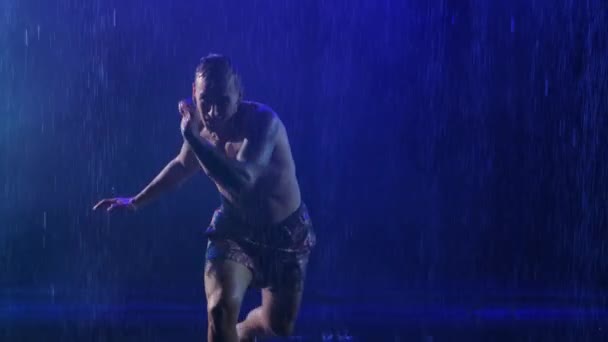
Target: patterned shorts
{"type": "Point", "coordinates": [276, 255]}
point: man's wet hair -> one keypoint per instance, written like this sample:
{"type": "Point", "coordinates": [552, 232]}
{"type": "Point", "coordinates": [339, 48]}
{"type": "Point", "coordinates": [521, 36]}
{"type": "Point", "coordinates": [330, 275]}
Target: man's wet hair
{"type": "Point", "coordinates": [217, 68]}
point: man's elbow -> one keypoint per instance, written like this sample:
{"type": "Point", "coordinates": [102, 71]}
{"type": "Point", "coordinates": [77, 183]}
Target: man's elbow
{"type": "Point", "coordinates": [248, 183]}
{"type": "Point", "coordinates": [249, 178]}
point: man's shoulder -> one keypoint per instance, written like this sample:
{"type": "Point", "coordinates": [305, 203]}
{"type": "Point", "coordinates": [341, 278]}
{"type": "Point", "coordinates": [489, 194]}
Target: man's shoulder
{"type": "Point", "coordinates": [261, 116]}
{"type": "Point", "coordinates": [260, 109]}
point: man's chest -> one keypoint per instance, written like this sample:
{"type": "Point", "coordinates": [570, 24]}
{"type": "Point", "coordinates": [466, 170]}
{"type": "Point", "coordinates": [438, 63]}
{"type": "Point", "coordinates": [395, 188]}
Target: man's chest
{"type": "Point", "coordinates": [230, 148]}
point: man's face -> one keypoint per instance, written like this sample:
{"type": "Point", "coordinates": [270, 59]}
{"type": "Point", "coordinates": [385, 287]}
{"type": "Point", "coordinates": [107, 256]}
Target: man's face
{"type": "Point", "coordinates": [216, 100]}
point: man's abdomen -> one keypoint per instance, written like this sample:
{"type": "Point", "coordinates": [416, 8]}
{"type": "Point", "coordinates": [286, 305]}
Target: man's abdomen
{"type": "Point", "coordinates": [273, 200]}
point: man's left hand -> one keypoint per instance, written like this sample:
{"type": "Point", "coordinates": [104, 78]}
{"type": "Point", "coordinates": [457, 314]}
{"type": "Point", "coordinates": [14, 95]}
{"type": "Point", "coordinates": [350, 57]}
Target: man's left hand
{"type": "Point", "coordinates": [191, 125]}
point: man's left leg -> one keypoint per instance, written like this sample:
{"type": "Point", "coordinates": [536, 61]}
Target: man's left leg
{"type": "Point", "coordinates": [279, 310]}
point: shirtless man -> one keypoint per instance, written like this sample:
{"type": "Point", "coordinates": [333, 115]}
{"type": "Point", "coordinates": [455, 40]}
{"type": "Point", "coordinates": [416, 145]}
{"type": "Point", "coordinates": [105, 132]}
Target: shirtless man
{"type": "Point", "coordinates": [261, 235]}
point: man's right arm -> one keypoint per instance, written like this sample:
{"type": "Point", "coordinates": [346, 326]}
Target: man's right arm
{"type": "Point", "coordinates": [177, 171]}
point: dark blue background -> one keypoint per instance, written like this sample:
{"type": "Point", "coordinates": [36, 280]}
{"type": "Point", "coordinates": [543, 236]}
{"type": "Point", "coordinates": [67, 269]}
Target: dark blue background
{"type": "Point", "coordinates": [452, 153]}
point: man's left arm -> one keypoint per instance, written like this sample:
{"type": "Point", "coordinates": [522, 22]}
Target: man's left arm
{"type": "Point", "coordinates": [240, 175]}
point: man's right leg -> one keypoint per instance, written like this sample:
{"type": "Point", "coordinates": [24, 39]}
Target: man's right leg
{"type": "Point", "coordinates": [225, 284]}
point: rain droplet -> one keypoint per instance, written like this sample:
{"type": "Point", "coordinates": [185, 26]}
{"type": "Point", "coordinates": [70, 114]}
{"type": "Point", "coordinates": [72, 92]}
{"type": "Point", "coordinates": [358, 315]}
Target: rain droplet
{"type": "Point", "coordinates": [512, 24]}
{"type": "Point", "coordinates": [114, 17]}
{"type": "Point", "coordinates": [26, 38]}
{"type": "Point", "coordinates": [546, 87]}
{"type": "Point", "coordinates": [38, 29]}
{"type": "Point", "coordinates": [44, 228]}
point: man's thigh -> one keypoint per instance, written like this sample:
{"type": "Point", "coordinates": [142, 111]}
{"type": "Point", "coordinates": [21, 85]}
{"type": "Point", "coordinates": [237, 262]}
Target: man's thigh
{"type": "Point", "coordinates": [281, 306]}
{"type": "Point", "coordinates": [281, 301]}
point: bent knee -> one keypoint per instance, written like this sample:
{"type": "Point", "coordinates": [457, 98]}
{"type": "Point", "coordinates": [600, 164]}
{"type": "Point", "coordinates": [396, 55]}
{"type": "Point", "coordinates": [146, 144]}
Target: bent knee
{"type": "Point", "coordinates": [222, 310]}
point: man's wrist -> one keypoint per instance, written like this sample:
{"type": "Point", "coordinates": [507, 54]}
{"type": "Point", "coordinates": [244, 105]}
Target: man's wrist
{"type": "Point", "coordinates": [135, 202]}
{"type": "Point", "coordinates": [189, 136]}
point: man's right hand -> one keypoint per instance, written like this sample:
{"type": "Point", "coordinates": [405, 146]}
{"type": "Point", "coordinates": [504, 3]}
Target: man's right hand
{"type": "Point", "coordinates": [116, 203]}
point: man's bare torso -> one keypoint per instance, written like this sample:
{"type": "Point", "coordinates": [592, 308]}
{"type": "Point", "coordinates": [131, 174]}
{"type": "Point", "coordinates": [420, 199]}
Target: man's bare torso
{"type": "Point", "coordinates": [277, 193]}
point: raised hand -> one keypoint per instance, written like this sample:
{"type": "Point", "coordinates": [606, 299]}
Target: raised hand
{"type": "Point", "coordinates": [191, 124]}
